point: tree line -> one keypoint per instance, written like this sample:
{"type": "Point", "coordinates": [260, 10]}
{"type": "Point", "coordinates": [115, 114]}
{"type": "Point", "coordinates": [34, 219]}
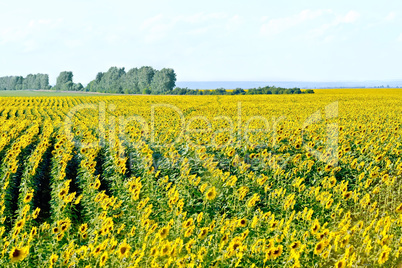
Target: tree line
{"type": "Point", "coordinates": [144, 80]}
{"type": "Point", "coordinates": [31, 81]}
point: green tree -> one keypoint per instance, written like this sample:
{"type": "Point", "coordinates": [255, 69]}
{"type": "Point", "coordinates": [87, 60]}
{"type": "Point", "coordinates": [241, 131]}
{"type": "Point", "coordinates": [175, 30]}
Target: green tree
{"type": "Point", "coordinates": [131, 80]}
{"type": "Point", "coordinates": [112, 80]}
{"type": "Point", "coordinates": [145, 75]}
{"type": "Point", "coordinates": [78, 87]}
{"type": "Point", "coordinates": [64, 81]}
{"type": "Point", "coordinates": [146, 91]}
{"type": "Point", "coordinates": [163, 81]}
{"type": "Point", "coordinates": [238, 91]}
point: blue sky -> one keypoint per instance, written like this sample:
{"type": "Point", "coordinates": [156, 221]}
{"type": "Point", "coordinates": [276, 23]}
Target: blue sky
{"type": "Point", "coordinates": [206, 41]}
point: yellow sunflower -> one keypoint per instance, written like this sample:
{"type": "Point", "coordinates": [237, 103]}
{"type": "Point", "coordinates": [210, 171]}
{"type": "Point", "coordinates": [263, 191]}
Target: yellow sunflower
{"type": "Point", "coordinates": [319, 247]}
{"type": "Point", "coordinates": [340, 264]}
{"type": "Point", "coordinates": [123, 250]}
{"type": "Point", "coordinates": [242, 223]}
{"type": "Point", "coordinates": [103, 259]}
{"type": "Point", "coordinates": [18, 254]}
{"type": "Point", "coordinates": [211, 193]}
{"type": "Point", "coordinates": [28, 197]}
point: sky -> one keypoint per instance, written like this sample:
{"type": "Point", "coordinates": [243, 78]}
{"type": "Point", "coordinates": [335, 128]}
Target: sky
{"type": "Point", "coordinates": [205, 40]}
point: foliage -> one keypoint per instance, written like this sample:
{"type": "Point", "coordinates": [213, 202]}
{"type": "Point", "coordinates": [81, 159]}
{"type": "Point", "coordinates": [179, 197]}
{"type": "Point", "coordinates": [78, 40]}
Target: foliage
{"type": "Point", "coordinates": [273, 90]}
{"type": "Point", "coordinates": [144, 80]}
{"type": "Point", "coordinates": [32, 81]}
{"type": "Point", "coordinates": [135, 81]}
{"type": "Point", "coordinates": [239, 91]}
{"type": "Point", "coordinates": [64, 81]}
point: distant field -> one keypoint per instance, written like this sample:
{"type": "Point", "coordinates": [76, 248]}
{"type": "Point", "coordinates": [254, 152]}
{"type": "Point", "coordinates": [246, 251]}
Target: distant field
{"type": "Point", "coordinates": [51, 93]}
{"type": "Point", "coordinates": [45, 93]}
{"type": "Point", "coordinates": [352, 91]}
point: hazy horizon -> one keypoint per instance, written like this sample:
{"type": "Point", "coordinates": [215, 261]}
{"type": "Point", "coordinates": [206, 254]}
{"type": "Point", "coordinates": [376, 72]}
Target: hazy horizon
{"type": "Point", "coordinates": [287, 84]}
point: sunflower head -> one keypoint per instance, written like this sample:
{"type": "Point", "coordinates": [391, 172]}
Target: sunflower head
{"type": "Point", "coordinates": [295, 245]}
{"type": "Point", "coordinates": [53, 259]}
{"type": "Point", "coordinates": [242, 223]}
{"type": "Point", "coordinates": [83, 228]}
{"type": "Point", "coordinates": [211, 193]}
{"type": "Point", "coordinates": [399, 209]}
{"type": "Point", "coordinates": [18, 254]}
{"type": "Point", "coordinates": [319, 247]}
{"type": "Point", "coordinates": [164, 232]}
{"type": "Point", "coordinates": [103, 259]}
{"type": "Point", "coordinates": [165, 249]}
{"type": "Point", "coordinates": [28, 197]}
{"type": "Point", "coordinates": [277, 251]}
{"type": "Point", "coordinates": [340, 264]}
{"type": "Point", "coordinates": [123, 250]}
{"type": "Point", "coordinates": [203, 233]}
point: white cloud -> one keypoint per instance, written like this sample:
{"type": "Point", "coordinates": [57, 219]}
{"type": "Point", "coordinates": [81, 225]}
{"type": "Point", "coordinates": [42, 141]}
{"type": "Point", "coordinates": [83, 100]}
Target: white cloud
{"type": "Point", "coordinates": [329, 38]}
{"type": "Point", "coordinates": [349, 18]}
{"type": "Point", "coordinates": [40, 22]}
{"type": "Point", "coordinates": [27, 30]}
{"type": "Point", "coordinates": [156, 28]}
{"type": "Point", "coordinates": [198, 31]}
{"type": "Point", "coordinates": [30, 45]}
{"type": "Point", "coordinates": [159, 27]}
{"type": "Point", "coordinates": [400, 38]}
{"type": "Point", "coordinates": [275, 26]}
{"type": "Point", "coordinates": [263, 18]}
{"type": "Point", "coordinates": [201, 17]}
{"type": "Point", "coordinates": [151, 21]}
{"type": "Point", "coordinates": [391, 16]}
{"type": "Point", "coordinates": [158, 31]}
{"type": "Point", "coordinates": [73, 43]}
{"type": "Point", "coordinates": [234, 22]}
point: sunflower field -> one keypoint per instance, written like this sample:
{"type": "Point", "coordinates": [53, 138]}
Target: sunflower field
{"type": "Point", "coordinates": [310, 180]}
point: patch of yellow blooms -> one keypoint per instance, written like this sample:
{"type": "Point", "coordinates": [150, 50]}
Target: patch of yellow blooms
{"type": "Point", "coordinates": [202, 181]}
